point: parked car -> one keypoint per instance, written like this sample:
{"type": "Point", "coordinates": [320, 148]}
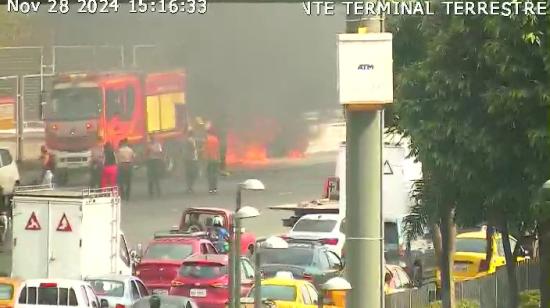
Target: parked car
{"type": "Point", "coordinates": [9, 172]}
{"type": "Point", "coordinates": [45, 293]}
{"type": "Point", "coordinates": [399, 280]}
{"type": "Point", "coordinates": [326, 228]}
{"type": "Point", "coordinates": [160, 262]}
{"type": "Point", "coordinates": [8, 290]}
{"type": "Point", "coordinates": [205, 279]}
{"type": "Point", "coordinates": [305, 259]}
{"type": "Point", "coordinates": [289, 292]}
{"type": "Point", "coordinates": [200, 219]}
{"type": "Point", "coordinates": [166, 301]}
{"type": "Point", "coordinates": [121, 291]}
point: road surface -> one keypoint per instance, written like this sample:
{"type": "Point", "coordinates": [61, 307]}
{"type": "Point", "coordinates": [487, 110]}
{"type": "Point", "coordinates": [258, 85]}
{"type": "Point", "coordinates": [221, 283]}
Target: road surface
{"type": "Point", "coordinates": [285, 181]}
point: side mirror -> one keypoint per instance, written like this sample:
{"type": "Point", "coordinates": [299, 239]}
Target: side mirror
{"type": "Point", "coordinates": [104, 303]}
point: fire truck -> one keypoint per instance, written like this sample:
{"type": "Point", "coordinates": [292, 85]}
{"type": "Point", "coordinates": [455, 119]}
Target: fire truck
{"type": "Point", "coordinates": [86, 109]}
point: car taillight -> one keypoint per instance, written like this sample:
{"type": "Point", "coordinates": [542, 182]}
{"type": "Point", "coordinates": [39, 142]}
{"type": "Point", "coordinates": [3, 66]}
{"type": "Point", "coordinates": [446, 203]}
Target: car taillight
{"type": "Point", "coordinates": [308, 277]}
{"type": "Point", "coordinates": [218, 285]}
{"type": "Point", "coordinates": [285, 237]}
{"type": "Point", "coordinates": [329, 241]}
{"type": "Point", "coordinates": [176, 283]}
{"type": "Point", "coordinates": [483, 266]}
{"type": "Point", "coordinates": [48, 285]}
{"type": "Point", "coordinates": [120, 306]}
{"type": "Point", "coordinates": [54, 127]}
{"type": "Point", "coordinates": [88, 125]}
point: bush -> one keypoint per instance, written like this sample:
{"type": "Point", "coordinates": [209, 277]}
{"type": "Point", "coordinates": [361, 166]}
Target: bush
{"type": "Point", "coordinates": [460, 304]}
{"type": "Point", "coordinates": [529, 299]}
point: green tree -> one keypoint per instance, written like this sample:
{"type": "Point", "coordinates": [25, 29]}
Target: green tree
{"type": "Point", "coordinates": [475, 105]}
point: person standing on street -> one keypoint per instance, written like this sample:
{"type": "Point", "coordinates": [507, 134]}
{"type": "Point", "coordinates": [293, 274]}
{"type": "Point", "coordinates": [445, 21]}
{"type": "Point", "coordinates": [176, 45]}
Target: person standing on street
{"type": "Point", "coordinates": [109, 175]}
{"type": "Point", "coordinates": [212, 155]}
{"type": "Point", "coordinates": [97, 160]}
{"type": "Point", "coordinates": [154, 166]}
{"type": "Point", "coordinates": [125, 157]}
{"type": "Point", "coordinates": [48, 165]}
{"type": "Point", "coordinates": [191, 161]}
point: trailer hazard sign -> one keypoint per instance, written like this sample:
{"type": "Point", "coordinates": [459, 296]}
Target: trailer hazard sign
{"type": "Point", "coordinates": [64, 225]}
{"type": "Point", "coordinates": [32, 223]}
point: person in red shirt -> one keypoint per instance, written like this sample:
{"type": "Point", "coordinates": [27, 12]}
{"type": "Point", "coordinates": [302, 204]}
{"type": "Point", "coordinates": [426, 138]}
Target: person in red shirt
{"type": "Point", "coordinates": [212, 156]}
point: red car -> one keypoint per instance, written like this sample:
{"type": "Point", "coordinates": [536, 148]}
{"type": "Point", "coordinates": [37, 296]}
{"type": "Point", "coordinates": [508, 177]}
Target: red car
{"type": "Point", "coordinates": [163, 257]}
{"type": "Point", "coordinates": [205, 279]}
{"type": "Point", "coordinates": [197, 219]}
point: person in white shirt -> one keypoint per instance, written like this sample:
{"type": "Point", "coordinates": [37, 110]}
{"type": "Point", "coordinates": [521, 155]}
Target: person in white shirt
{"type": "Point", "coordinates": [125, 158]}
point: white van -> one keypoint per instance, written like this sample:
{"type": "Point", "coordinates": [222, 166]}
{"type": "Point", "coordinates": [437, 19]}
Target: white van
{"type": "Point", "coordinates": [45, 293]}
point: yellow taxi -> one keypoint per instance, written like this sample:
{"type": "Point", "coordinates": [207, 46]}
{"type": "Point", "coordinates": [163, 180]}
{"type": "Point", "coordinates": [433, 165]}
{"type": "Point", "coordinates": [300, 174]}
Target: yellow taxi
{"type": "Point", "coordinates": [471, 251]}
{"type": "Point", "coordinates": [8, 288]}
{"type": "Point", "coordinates": [290, 293]}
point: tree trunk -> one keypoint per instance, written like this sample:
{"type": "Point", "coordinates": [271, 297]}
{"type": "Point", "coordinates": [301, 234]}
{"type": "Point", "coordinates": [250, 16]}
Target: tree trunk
{"type": "Point", "coordinates": [544, 262]}
{"type": "Point", "coordinates": [436, 239]}
{"type": "Point", "coordinates": [510, 267]}
{"type": "Point", "coordinates": [448, 233]}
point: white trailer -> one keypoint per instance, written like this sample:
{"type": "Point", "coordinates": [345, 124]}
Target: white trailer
{"type": "Point", "coordinates": [70, 234]}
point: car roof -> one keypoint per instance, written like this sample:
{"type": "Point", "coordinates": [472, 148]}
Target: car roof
{"type": "Point", "coordinates": [175, 240]}
{"type": "Point", "coordinates": [209, 209]}
{"type": "Point", "coordinates": [62, 282]}
{"type": "Point", "coordinates": [283, 282]}
{"type": "Point", "coordinates": [8, 280]}
{"type": "Point", "coordinates": [208, 258]}
{"type": "Point", "coordinates": [112, 277]}
{"type": "Point", "coordinates": [478, 234]}
{"type": "Point", "coordinates": [321, 217]}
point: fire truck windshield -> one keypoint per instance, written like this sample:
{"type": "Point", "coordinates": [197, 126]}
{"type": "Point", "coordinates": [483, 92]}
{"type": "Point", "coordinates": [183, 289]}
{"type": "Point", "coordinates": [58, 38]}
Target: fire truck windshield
{"type": "Point", "coordinates": [74, 104]}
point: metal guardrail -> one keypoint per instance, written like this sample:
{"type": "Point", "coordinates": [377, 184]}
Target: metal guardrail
{"type": "Point", "coordinates": [70, 192]}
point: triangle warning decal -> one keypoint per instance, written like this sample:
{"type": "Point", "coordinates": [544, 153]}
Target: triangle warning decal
{"type": "Point", "coordinates": [386, 168]}
{"type": "Point", "coordinates": [64, 225]}
{"type": "Point", "coordinates": [32, 223]}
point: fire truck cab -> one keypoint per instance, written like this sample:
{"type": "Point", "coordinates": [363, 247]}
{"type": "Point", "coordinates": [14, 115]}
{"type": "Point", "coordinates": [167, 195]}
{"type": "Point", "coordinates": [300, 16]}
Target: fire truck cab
{"type": "Point", "coordinates": [86, 109]}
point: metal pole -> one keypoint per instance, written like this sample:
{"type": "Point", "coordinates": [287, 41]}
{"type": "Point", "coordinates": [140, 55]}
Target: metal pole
{"type": "Point", "coordinates": [237, 248]}
{"type": "Point", "coordinates": [364, 234]}
{"type": "Point", "coordinates": [320, 299]}
{"type": "Point", "coordinates": [257, 279]}
{"type": "Point", "coordinates": [19, 125]}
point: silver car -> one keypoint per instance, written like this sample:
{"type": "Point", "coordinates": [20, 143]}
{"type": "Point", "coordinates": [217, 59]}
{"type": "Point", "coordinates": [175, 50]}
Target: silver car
{"type": "Point", "coordinates": [120, 291]}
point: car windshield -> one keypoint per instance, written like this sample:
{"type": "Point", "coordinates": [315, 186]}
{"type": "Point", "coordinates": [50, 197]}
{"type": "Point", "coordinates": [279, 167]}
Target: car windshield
{"type": "Point", "coordinates": [204, 271]}
{"type": "Point", "coordinates": [168, 251]}
{"type": "Point", "coordinates": [277, 293]}
{"type": "Point", "coordinates": [291, 256]}
{"type": "Point", "coordinates": [476, 245]}
{"type": "Point", "coordinates": [6, 291]}
{"type": "Point", "coordinates": [313, 225]}
{"type": "Point", "coordinates": [108, 288]}
{"type": "Point", "coordinates": [74, 104]}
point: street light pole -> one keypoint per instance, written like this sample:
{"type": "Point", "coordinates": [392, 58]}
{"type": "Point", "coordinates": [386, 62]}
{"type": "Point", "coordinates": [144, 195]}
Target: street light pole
{"type": "Point", "coordinates": [237, 253]}
{"type": "Point", "coordinates": [257, 278]}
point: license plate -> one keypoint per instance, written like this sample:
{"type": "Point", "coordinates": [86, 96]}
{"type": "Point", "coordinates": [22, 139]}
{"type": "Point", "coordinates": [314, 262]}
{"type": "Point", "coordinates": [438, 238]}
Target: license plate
{"type": "Point", "coordinates": [460, 267]}
{"type": "Point", "coordinates": [160, 291]}
{"type": "Point", "coordinates": [197, 293]}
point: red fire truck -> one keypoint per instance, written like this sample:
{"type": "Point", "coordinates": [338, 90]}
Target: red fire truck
{"type": "Point", "coordinates": [87, 108]}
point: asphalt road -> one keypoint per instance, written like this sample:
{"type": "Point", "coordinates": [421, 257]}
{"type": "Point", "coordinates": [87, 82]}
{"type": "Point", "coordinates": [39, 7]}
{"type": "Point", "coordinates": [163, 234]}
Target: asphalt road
{"type": "Point", "coordinates": [286, 181]}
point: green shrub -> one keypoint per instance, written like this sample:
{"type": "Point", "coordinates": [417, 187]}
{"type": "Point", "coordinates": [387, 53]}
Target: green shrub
{"type": "Point", "coordinates": [529, 299]}
{"type": "Point", "coordinates": [460, 304]}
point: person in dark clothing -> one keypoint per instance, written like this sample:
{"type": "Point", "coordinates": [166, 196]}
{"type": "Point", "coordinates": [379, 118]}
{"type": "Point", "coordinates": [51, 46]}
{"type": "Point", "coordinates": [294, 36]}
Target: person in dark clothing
{"type": "Point", "coordinates": [125, 157]}
{"type": "Point", "coordinates": [154, 166]}
{"type": "Point", "coordinates": [109, 176]}
{"type": "Point", "coordinates": [212, 155]}
{"type": "Point", "coordinates": [191, 161]}
{"type": "Point", "coordinates": [96, 163]}
{"type": "Point", "coordinates": [221, 130]}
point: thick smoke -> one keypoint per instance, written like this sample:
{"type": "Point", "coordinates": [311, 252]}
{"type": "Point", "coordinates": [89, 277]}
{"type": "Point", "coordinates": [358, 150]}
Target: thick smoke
{"type": "Point", "coordinates": [250, 62]}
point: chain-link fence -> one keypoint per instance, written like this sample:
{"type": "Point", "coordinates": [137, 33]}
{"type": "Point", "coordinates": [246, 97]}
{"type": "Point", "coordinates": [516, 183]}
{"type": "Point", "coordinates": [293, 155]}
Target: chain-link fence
{"type": "Point", "coordinates": [489, 291]}
{"type": "Point", "coordinates": [31, 97]}
{"type": "Point", "coordinates": [20, 60]}
{"type": "Point", "coordinates": [87, 58]}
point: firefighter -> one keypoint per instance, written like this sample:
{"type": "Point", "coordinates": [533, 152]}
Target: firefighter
{"type": "Point", "coordinates": [154, 165]}
{"type": "Point", "coordinates": [221, 126]}
{"type": "Point", "coordinates": [96, 163]}
{"type": "Point", "coordinates": [191, 161]}
{"type": "Point", "coordinates": [125, 157]}
{"type": "Point", "coordinates": [109, 176]}
{"type": "Point", "coordinates": [212, 155]}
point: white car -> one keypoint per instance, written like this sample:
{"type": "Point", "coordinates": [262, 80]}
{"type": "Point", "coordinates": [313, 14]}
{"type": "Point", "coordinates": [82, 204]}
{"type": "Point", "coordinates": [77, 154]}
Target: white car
{"type": "Point", "coordinates": [9, 173]}
{"type": "Point", "coordinates": [45, 293]}
{"type": "Point", "coordinates": [121, 291]}
{"type": "Point", "coordinates": [326, 228]}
